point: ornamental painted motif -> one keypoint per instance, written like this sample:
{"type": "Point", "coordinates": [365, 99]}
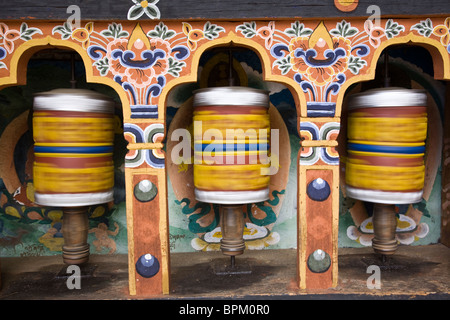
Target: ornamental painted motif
{"type": "Point", "coordinates": [144, 60]}
{"type": "Point", "coordinates": [441, 31]}
{"type": "Point", "coordinates": [321, 60]}
{"type": "Point", "coordinates": [146, 7]}
{"type": "Point", "coordinates": [9, 36]}
{"type": "Point", "coordinates": [140, 62]}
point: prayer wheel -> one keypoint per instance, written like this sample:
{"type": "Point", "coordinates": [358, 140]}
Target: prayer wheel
{"type": "Point", "coordinates": [73, 168]}
{"type": "Point", "coordinates": [231, 163]}
{"type": "Point", "coordinates": [231, 140]}
{"type": "Point", "coordinates": [386, 133]}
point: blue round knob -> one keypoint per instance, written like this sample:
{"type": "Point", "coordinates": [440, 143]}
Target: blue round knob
{"type": "Point", "coordinates": [318, 190]}
{"type": "Point", "coordinates": [147, 265]}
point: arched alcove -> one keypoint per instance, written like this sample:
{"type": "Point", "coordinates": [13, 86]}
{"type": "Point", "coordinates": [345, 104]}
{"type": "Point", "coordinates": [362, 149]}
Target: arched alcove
{"type": "Point", "coordinates": [412, 67]}
{"type": "Point", "coordinates": [38, 69]}
{"type": "Point", "coordinates": [194, 226]}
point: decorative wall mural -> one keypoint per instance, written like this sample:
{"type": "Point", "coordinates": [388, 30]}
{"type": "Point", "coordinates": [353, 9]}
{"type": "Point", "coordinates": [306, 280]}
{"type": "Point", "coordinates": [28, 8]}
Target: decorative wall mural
{"type": "Point", "coordinates": [441, 31]}
{"type": "Point", "coordinates": [407, 231]}
{"type": "Point", "coordinates": [203, 218]}
{"type": "Point", "coordinates": [317, 62]}
{"type": "Point", "coordinates": [29, 229]}
{"type": "Point", "coordinates": [154, 133]}
{"type": "Point", "coordinates": [146, 7]}
{"type": "Point", "coordinates": [143, 61]}
{"type": "Point", "coordinates": [415, 222]}
{"type": "Point", "coordinates": [140, 61]}
{"type": "Point", "coordinates": [320, 60]}
{"type": "Point", "coordinates": [319, 57]}
{"type": "Point", "coordinates": [9, 36]}
{"type": "Point", "coordinates": [310, 131]}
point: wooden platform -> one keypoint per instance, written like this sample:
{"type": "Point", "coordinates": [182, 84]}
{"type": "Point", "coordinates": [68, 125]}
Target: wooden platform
{"type": "Point", "coordinates": [419, 272]}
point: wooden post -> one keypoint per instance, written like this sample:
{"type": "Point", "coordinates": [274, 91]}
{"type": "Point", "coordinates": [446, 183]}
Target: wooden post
{"type": "Point", "coordinates": [148, 230]}
{"type": "Point", "coordinates": [318, 193]}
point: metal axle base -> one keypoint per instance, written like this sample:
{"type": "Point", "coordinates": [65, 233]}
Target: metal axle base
{"type": "Point", "coordinates": [75, 229]}
{"type": "Point", "coordinates": [220, 267]}
{"type": "Point", "coordinates": [86, 271]}
{"type": "Point", "coordinates": [232, 225]}
{"type": "Point", "coordinates": [384, 226]}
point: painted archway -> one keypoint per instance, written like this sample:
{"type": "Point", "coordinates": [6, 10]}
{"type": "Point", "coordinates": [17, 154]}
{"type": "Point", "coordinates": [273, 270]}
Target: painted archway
{"type": "Point", "coordinates": [16, 161]}
{"type": "Point", "coordinates": [410, 66]}
{"type": "Point", "coordinates": [316, 60]}
{"type": "Point", "coordinates": [21, 56]}
{"type": "Point", "coordinates": [203, 232]}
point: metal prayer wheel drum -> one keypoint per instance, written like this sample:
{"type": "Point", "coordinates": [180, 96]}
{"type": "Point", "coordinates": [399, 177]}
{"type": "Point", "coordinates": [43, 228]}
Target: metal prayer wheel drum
{"type": "Point", "coordinates": [231, 163]}
{"type": "Point", "coordinates": [73, 133]}
{"type": "Point", "coordinates": [386, 133]}
{"type": "Point", "coordinates": [231, 142]}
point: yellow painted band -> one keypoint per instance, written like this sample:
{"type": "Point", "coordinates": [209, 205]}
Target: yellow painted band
{"type": "Point", "coordinates": [63, 180]}
{"type": "Point", "coordinates": [234, 168]}
{"type": "Point", "coordinates": [386, 155]}
{"type": "Point", "coordinates": [243, 125]}
{"type": "Point", "coordinates": [73, 129]}
{"type": "Point", "coordinates": [243, 131]}
{"type": "Point", "coordinates": [390, 120]}
{"type": "Point", "coordinates": [72, 144]}
{"type": "Point", "coordinates": [228, 153]}
{"type": "Point", "coordinates": [234, 177]}
{"type": "Point", "coordinates": [233, 121]}
{"type": "Point", "coordinates": [231, 142]}
{"type": "Point", "coordinates": [385, 178]}
{"type": "Point", "coordinates": [399, 129]}
{"type": "Point", "coordinates": [217, 158]}
{"type": "Point", "coordinates": [73, 155]}
{"type": "Point", "coordinates": [384, 143]}
{"type": "Point", "coordinates": [256, 111]}
{"type": "Point", "coordinates": [106, 170]}
{"type": "Point", "coordinates": [247, 117]}
{"type": "Point", "coordinates": [50, 119]}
